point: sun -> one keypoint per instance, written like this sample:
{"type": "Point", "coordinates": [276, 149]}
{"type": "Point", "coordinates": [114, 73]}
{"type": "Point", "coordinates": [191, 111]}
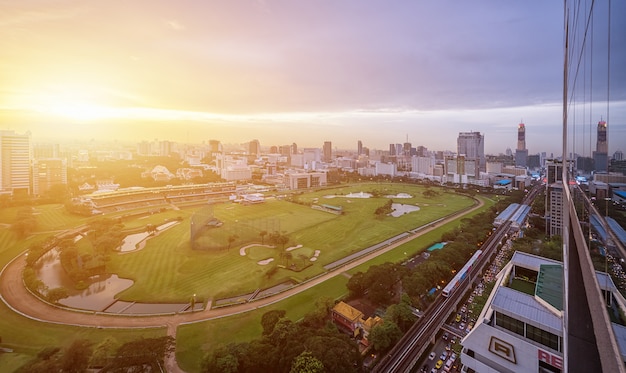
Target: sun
{"type": "Point", "coordinates": [76, 103]}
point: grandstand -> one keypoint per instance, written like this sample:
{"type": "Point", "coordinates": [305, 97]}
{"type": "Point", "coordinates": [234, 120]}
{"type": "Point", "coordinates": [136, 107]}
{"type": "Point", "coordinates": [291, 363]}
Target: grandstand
{"type": "Point", "coordinates": [138, 197]}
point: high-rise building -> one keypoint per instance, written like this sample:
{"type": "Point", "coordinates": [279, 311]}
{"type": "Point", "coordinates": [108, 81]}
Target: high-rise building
{"type": "Point", "coordinates": [521, 153]}
{"type": "Point", "coordinates": [328, 151]}
{"type": "Point", "coordinates": [472, 146]}
{"type": "Point", "coordinates": [600, 156]}
{"type": "Point", "coordinates": [618, 155]}
{"type": "Point", "coordinates": [47, 173]}
{"type": "Point", "coordinates": [406, 149]}
{"type": "Point", "coordinates": [359, 147]}
{"type": "Point", "coordinates": [254, 147]}
{"type": "Point", "coordinates": [554, 198]}
{"type": "Point", "coordinates": [15, 159]}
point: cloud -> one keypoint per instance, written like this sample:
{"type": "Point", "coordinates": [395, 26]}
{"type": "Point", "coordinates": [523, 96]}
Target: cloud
{"type": "Point", "coordinates": [175, 25]}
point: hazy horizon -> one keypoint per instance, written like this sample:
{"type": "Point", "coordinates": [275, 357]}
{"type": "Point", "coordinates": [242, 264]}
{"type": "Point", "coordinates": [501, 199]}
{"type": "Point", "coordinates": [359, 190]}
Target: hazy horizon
{"type": "Point", "coordinates": [284, 72]}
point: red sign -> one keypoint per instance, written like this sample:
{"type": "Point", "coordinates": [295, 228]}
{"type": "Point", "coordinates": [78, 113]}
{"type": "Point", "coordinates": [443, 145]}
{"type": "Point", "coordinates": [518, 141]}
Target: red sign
{"type": "Point", "coordinates": [548, 358]}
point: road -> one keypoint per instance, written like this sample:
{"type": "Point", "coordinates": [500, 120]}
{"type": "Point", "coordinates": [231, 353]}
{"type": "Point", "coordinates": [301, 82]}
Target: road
{"type": "Point", "coordinates": [15, 295]}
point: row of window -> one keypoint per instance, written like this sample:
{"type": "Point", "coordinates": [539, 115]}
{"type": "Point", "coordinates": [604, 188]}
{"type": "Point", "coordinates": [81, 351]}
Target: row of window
{"type": "Point", "coordinates": [528, 331]}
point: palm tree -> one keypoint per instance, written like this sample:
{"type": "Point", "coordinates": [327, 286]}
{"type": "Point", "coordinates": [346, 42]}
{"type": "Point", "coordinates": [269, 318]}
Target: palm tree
{"type": "Point", "coordinates": [263, 234]}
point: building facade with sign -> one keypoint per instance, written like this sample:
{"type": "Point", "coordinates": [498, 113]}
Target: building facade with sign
{"type": "Point", "coordinates": [520, 329]}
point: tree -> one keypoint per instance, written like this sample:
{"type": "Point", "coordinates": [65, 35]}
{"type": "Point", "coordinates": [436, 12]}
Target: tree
{"type": "Point", "coordinates": [306, 363]}
{"type": "Point", "coordinates": [76, 357]}
{"type": "Point", "coordinates": [263, 234]}
{"type": "Point", "coordinates": [141, 353]}
{"type": "Point", "coordinates": [231, 239]}
{"type": "Point", "coordinates": [54, 295]}
{"type": "Point", "coordinates": [25, 222]}
{"type": "Point", "coordinates": [384, 335]}
{"type": "Point", "coordinates": [103, 352]}
{"type": "Point", "coordinates": [269, 320]}
{"type": "Point", "coordinates": [401, 314]}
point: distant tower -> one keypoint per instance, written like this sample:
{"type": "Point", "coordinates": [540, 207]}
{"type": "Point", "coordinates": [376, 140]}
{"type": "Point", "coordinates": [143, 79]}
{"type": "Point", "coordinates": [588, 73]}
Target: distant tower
{"type": "Point", "coordinates": [472, 145]}
{"type": "Point", "coordinates": [327, 151]}
{"type": "Point", "coordinates": [254, 147]}
{"type": "Point", "coordinates": [521, 153]}
{"type": "Point", "coordinates": [600, 156]}
{"type": "Point", "coordinates": [359, 147]}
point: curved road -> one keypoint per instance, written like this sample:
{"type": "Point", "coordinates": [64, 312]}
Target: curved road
{"type": "Point", "coordinates": [14, 294]}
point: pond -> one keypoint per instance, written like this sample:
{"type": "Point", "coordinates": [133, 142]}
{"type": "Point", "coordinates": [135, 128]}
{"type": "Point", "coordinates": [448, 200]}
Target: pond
{"type": "Point", "coordinates": [100, 295]}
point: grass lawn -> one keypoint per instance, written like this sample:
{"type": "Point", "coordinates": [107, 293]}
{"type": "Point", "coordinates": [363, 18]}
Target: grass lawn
{"type": "Point", "coordinates": [193, 341]}
{"type": "Point", "coordinates": [27, 337]}
{"type": "Point", "coordinates": [168, 269]}
{"type": "Point", "coordinates": [416, 246]}
{"type": "Point", "coordinates": [523, 286]}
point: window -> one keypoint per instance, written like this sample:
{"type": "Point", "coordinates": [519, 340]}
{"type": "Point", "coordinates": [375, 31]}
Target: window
{"type": "Point", "coordinates": [509, 323]}
{"type": "Point", "coordinates": [541, 336]}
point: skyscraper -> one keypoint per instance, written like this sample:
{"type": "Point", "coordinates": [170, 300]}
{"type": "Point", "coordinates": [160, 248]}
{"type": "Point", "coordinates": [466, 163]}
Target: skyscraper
{"type": "Point", "coordinates": [359, 147]}
{"type": "Point", "coordinates": [521, 153]}
{"type": "Point", "coordinates": [254, 147]}
{"type": "Point", "coordinates": [328, 151]}
{"type": "Point", "coordinates": [15, 158]}
{"type": "Point", "coordinates": [472, 145]}
{"type": "Point", "coordinates": [601, 155]}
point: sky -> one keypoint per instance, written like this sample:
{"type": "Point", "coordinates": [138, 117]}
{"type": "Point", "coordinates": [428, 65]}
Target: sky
{"type": "Point", "coordinates": [284, 71]}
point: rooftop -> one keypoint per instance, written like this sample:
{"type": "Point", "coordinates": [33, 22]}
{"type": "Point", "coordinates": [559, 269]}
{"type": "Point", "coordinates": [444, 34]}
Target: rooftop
{"type": "Point", "coordinates": [550, 285]}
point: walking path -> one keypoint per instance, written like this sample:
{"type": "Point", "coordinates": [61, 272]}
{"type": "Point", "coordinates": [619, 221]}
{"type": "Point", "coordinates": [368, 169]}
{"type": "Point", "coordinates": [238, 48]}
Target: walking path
{"type": "Point", "coordinates": [15, 295]}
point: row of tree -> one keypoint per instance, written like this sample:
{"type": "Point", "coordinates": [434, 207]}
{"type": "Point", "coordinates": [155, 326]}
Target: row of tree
{"type": "Point", "coordinates": [141, 355]}
{"type": "Point", "coordinates": [312, 345]}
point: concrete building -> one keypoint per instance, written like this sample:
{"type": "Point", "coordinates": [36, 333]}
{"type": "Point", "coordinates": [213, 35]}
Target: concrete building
{"type": "Point", "coordinates": [305, 180]}
{"type": "Point", "coordinates": [462, 170]}
{"type": "Point", "coordinates": [47, 173]}
{"type": "Point", "coordinates": [423, 165]}
{"type": "Point", "coordinates": [328, 151]}
{"type": "Point", "coordinates": [15, 162]}
{"type": "Point", "coordinates": [472, 146]}
{"type": "Point", "coordinates": [520, 329]}
{"type": "Point", "coordinates": [601, 154]}
{"type": "Point", "coordinates": [254, 148]}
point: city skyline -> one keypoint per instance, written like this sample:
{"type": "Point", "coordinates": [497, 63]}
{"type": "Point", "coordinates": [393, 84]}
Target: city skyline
{"type": "Point", "coordinates": [297, 72]}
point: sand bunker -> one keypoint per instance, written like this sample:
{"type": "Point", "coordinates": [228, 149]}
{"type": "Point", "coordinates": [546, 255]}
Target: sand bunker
{"type": "Point", "coordinates": [314, 258]}
{"type": "Point", "coordinates": [242, 251]}
{"type": "Point", "coordinates": [293, 248]}
{"type": "Point", "coordinates": [265, 261]}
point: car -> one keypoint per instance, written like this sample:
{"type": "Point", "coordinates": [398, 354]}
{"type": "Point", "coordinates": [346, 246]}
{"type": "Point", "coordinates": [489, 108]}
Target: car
{"type": "Point", "coordinates": [434, 370]}
{"type": "Point", "coordinates": [464, 318]}
{"type": "Point", "coordinates": [439, 364]}
{"type": "Point", "coordinates": [443, 356]}
{"type": "Point", "coordinates": [462, 326]}
{"type": "Point", "coordinates": [445, 336]}
{"type": "Point", "coordinates": [432, 356]}
{"type": "Point", "coordinates": [464, 309]}
{"type": "Point", "coordinates": [448, 347]}
{"type": "Point", "coordinates": [424, 368]}
{"type": "Point", "coordinates": [453, 340]}
{"type": "Point", "coordinates": [458, 317]}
